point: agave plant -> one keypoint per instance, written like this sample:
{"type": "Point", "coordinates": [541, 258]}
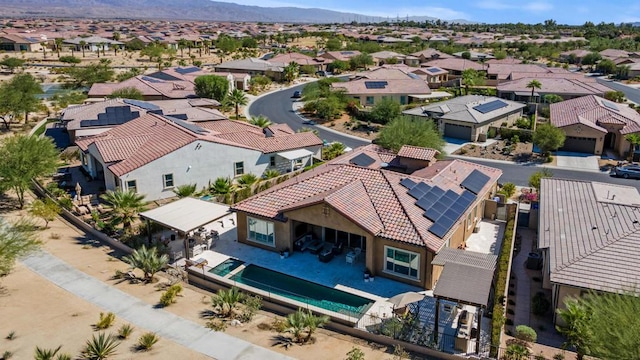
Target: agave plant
{"type": "Point", "coordinates": [226, 300]}
{"type": "Point", "coordinates": [148, 260]}
{"type": "Point", "coordinates": [185, 190]}
{"type": "Point", "coordinates": [100, 346]}
{"type": "Point", "coordinates": [271, 173]}
{"type": "Point", "coordinates": [247, 179]}
{"type": "Point", "coordinates": [221, 185]}
{"type": "Point", "coordinates": [46, 354]}
{"type": "Point", "coordinates": [125, 331]}
{"type": "Point", "coordinates": [147, 340]}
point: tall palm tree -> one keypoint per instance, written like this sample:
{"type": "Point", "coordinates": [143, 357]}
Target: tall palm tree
{"type": "Point", "coordinates": [290, 72]}
{"type": "Point", "coordinates": [44, 50]}
{"type": "Point", "coordinates": [534, 84]}
{"type": "Point", "coordinates": [576, 318]}
{"type": "Point", "coordinates": [237, 98]}
{"type": "Point", "coordinates": [125, 206]}
{"type": "Point", "coordinates": [182, 44]}
{"type": "Point", "coordinates": [148, 260]}
{"type": "Point", "coordinates": [58, 42]}
{"type": "Point", "coordinates": [471, 77]}
{"type": "Point", "coordinates": [82, 44]}
{"type": "Point", "coordinates": [260, 120]}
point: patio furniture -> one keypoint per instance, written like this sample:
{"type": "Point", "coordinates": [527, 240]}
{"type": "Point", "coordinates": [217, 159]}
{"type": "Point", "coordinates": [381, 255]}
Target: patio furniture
{"type": "Point", "coordinates": [304, 242]}
{"type": "Point", "coordinates": [315, 246]}
{"type": "Point", "coordinates": [326, 254]}
{"type": "Point", "coordinates": [338, 248]}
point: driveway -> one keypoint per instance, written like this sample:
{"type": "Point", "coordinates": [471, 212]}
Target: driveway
{"type": "Point", "coordinates": [581, 161]}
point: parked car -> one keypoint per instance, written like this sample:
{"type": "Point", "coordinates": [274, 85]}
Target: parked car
{"type": "Point", "coordinates": [308, 122]}
{"type": "Point", "coordinates": [627, 171]}
{"type": "Point", "coordinates": [297, 94]}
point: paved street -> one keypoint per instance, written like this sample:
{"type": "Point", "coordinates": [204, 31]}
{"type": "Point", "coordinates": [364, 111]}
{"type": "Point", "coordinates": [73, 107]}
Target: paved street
{"type": "Point", "coordinates": [632, 94]}
{"type": "Point", "coordinates": [277, 107]}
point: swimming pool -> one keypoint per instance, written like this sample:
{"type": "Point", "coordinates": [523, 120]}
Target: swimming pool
{"type": "Point", "coordinates": [226, 267]}
{"type": "Point", "coordinates": [304, 291]}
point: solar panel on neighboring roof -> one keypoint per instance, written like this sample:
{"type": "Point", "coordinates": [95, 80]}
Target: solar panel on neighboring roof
{"type": "Point", "coordinates": [187, 70]}
{"type": "Point", "coordinates": [408, 183]}
{"type": "Point", "coordinates": [191, 127]}
{"type": "Point", "coordinates": [475, 181]}
{"type": "Point", "coordinates": [362, 160]}
{"type": "Point", "coordinates": [142, 104]}
{"type": "Point", "coordinates": [414, 76]}
{"type": "Point", "coordinates": [151, 80]}
{"type": "Point", "coordinates": [113, 115]}
{"type": "Point", "coordinates": [490, 106]}
{"type": "Point", "coordinates": [610, 105]}
{"type": "Point", "coordinates": [432, 70]}
{"type": "Point", "coordinates": [346, 52]}
{"type": "Point", "coordinates": [416, 193]}
{"type": "Point", "coordinates": [375, 84]}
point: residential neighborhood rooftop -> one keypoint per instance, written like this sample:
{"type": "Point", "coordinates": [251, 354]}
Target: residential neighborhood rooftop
{"type": "Point", "coordinates": [594, 111]}
{"type": "Point", "coordinates": [468, 108]}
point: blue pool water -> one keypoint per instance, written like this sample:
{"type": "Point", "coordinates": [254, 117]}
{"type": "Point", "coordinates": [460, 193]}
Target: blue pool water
{"type": "Point", "coordinates": [226, 267]}
{"type": "Point", "coordinates": [304, 291]}
{"type": "Point", "coordinates": [206, 198]}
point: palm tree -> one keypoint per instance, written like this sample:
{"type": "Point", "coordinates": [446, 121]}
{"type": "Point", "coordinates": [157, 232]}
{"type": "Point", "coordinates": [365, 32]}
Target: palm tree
{"type": "Point", "coordinates": [182, 44]}
{"type": "Point", "coordinates": [313, 322]}
{"type": "Point", "coordinates": [290, 72]}
{"type": "Point", "coordinates": [260, 120]}
{"type": "Point", "coordinates": [185, 190]}
{"type": "Point", "coordinates": [471, 77]}
{"type": "Point", "coordinates": [148, 260]}
{"type": "Point", "coordinates": [237, 98]}
{"type": "Point", "coordinates": [125, 206]}
{"type": "Point", "coordinates": [634, 141]}
{"type": "Point", "coordinates": [58, 42]}
{"type": "Point", "coordinates": [247, 179]}
{"type": "Point", "coordinates": [100, 347]}
{"type": "Point", "coordinates": [270, 174]}
{"type": "Point", "coordinates": [225, 301]}
{"type": "Point", "coordinates": [534, 84]}
{"type": "Point", "coordinates": [82, 44]}
{"type": "Point", "coordinates": [517, 352]}
{"type": "Point", "coordinates": [576, 317]}
{"type": "Point", "coordinates": [44, 50]}
{"type": "Point", "coordinates": [221, 185]}
{"type": "Point", "coordinates": [296, 324]}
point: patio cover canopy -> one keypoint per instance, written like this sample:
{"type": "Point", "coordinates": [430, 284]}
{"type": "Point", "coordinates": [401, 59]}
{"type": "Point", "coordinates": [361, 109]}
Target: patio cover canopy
{"type": "Point", "coordinates": [186, 214]}
{"type": "Point", "coordinates": [295, 154]}
{"type": "Point", "coordinates": [465, 284]}
{"type": "Point", "coordinates": [526, 93]}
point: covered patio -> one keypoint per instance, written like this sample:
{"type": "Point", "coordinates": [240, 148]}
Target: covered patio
{"type": "Point", "coordinates": [297, 158]}
{"type": "Point", "coordinates": [189, 225]}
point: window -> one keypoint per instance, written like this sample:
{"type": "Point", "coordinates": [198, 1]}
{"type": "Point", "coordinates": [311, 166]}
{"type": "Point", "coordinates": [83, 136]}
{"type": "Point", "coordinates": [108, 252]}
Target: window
{"type": "Point", "coordinates": [402, 262]}
{"type": "Point", "coordinates": [261, 231]}
{"type": "Point", "coordinates": [475, 213]}
{"type": "Point", "coordinates": [469, 222]}
{"type": "Point", "coordinates": [272, 161]}
{"type": "Point", "coordinates": [132, 185]}
{"type": "Point", "coordinates": [403, 99]}
{"type": "Point", "coordinates": [83, 158]}
{"type": "Point", "coordinates": [168, 180]}
{"type": "Point", "coordinates": [238, 168]}
{"type": "Point", "coordinates": [369, 100]}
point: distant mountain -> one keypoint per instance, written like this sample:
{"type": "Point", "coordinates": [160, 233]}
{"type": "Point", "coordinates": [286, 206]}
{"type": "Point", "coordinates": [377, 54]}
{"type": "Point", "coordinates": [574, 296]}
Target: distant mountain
{"type": "Point", "coordinates": [181, 10]}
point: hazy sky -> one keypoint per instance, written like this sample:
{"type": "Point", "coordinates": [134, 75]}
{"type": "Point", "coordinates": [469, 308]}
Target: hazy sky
{"type": "Point", "coordinates": [487, 11]}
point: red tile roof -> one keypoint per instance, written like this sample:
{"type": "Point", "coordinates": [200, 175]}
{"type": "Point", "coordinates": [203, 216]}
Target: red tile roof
{"type": "Point", "coordinates": [592, 111]}
{"type": "Point", "coordinates": [371, 198]}
{"type": "Point", "coordinates": [419, 153]}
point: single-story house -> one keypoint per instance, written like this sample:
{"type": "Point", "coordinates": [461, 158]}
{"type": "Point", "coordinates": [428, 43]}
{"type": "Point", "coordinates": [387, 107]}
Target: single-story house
{"type": "Point", "coordinates": [384, 57]}
{"type": "Point", "coordinates": [567, 86]}
{"type": "Point", "coordinates": [588, 236]}
{"type": "Point", "coordinates": [574, 56]}
{"type": "Point", "coordinates": [634, 70]}
{"type": "Point", "coordinates": [252, 66]}
{"type": "Point", "coordinates": [431, 54]}
{"type": "Point", "coordinates": [13, 42]}
{"type": "Point", "coordinates": [396, 219]}
{"type": "Point", "coordinates": [153, 154]}
{"type": "Point", "coordinates": [615, 53]}
{"type": "Point", "coordinates": [454, 66]}
{"type": "Point", "coordinates": [301, 59]}
{"type": "Point", "coordinates": [474, 55]}
{"type": "Point", "coordinates": [499, 73]}
{"type": "Point", "coordinates": [93, 43]}
{"type": "Point", "coordinates": [368, 92]}
{"type": "Point", "coordinates": [469, 117]}
{"type": "Point", "coordinates": [344, 55]}
{"type": "Point", "coordinates": [97, 117]}
{"type": "Point", "coordinates": [593, 124]}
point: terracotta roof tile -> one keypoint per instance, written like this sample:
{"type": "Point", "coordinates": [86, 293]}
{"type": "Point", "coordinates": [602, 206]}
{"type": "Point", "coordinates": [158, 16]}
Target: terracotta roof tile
{"type": "Point", "coordinates": [593, 111]}
{"type": "Point", "coordinates": [419, 153]}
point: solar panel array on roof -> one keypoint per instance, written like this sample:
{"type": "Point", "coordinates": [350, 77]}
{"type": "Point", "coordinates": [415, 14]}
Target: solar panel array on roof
{"type": "Point", "coordinates": [414, 76]}
{"type": "Point", "coordinates": [113, 115]}
{"type": "Point", "coordinates": [362, 160]}
{"type": "Point", "coordinates": [475, 181]}
{"type": "Point", "coordinates": [187, 70]}
{"type": "Point", "coordinates": [442, 207]}
{"type": "Point", "coordinates": [490, 106]}
{"type": "Point", "coordinates": [151, 80]}
{"type": "Point", "coordinates": [375, 84]}
{"type": "Point", "coordinates": [163, 76]}
{"type": "Point", "coordinates": [432, 70]}
{"type": "Point", "coordinates": [142, 104]}
{"type": "Point", "coordinates": [610, 105]}
{"type": "Point", "coordinates": [346, 52]}
{"type": "Point", "coordinates": [191, 127]}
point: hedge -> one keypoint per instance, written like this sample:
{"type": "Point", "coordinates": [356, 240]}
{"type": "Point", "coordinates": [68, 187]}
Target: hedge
{"type": "Point", "coordinates": [498, 318]}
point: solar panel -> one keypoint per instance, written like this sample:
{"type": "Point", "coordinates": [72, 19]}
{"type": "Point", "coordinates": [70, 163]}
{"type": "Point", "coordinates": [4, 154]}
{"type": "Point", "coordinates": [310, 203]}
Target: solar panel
{"type": "Point", "coordinates": [466, 195]}
{"type": "Point", "coordinates": [438, 230]}
{"type": "Point", "coordinates": [191, 127]}
{"type": "Point", "coordinates": [362, 160]}
{"type": "Point", "coordinates": [142, 104]}
{"type": "Point", "coordinates": [346, 52]}
{"type": "Point", "coordinates": [416, 192]}
{"type": "Point", "coordinates": [113, 115]}
{"type": "Point", "coordinates": [408, 183]}
{"type": "Point", "coordinates": [424, 203]}
{"type": "Point", "coordinates": [375, 84]}
{"type": "Point", "coordinates": [432, 214]}
{"type": "Point", "coordinates": [475, 181]}
{"type": "Point", "coordinates": [610, 105]}
{"type": "Point", "coordinates": [451, 196]}
{"type": "Point", "coordinates": [423, 187]}
{"type": "Point", "coordinates": [453, 213]}
{"type": "Point", "coordinates": [490, 106]}
{"type": "Point", "coordinates": [187, 70]}
{"type": "Point", "coordinates": [414, 76]}
{"type": "Point", "coordinates": [432, 198]}
{"type": "Point", "coordinates": [432, 70]}
{"type": "Point", "coordinates": [151, 80]}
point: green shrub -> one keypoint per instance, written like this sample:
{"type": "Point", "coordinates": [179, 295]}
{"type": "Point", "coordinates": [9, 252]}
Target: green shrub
{"type": "Point", "coordinates": [539, 304]}
{"type": "Point", "coordinates": [125, 331]}
{"type": "Point", "coordinates": [147, 340]}
{"type": "Point", "coordinates": [498, 319]}
{"type": "Point", "coordinates": [69, 59]}
{"type": "Point", "coordinates": [355, 354]}
{"type": "Point", "coordinates": [105, 321]}
{"type": "Point", "coordinates": [169, 296]}
{"type": "Point", "coordinates": [491, 133]}
{"type": "Point", "coordinates": [526, 333]}
{"type": "Point", "coordinates": [508, 189]}
{"type": "Point", "coordinates": [7, 355]}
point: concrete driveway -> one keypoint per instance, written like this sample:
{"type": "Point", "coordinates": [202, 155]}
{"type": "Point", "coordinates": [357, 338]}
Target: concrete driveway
{"type": "Point", "coordinates": [573, 160]}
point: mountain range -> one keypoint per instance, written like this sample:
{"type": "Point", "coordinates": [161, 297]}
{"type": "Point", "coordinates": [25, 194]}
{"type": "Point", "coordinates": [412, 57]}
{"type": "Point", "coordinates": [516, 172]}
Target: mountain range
{"type": "Point", "coordinates": [181, 10]}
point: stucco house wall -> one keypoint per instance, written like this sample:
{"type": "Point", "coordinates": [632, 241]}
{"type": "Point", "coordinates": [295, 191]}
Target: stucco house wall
{"type": "Point", "coordinates": [579, 130]}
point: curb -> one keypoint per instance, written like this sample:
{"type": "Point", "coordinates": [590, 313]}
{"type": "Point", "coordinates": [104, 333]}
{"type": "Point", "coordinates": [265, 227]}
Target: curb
{"type": "Point", "coordinates": [248, 106]}
{"type": "Point", "coordinates": [326, 128]}
{"type": "Point", "coordinates": [543, 166]}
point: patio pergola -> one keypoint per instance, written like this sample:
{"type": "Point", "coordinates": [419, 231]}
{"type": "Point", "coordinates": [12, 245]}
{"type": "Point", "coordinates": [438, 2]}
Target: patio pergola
{"type": "Point", "coordinates": [295, 155]}
{"type": "Point", "coordinates": [467, 278]}
{"type": "Point", "coordinates": [186, 215]}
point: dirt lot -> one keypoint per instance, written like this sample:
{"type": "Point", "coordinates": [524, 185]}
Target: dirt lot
{"type": "Point", "coordinates": [65, 319]}
{"type": "Point", "coordinates": [346, 125]}
{"type": "Point", "coordinates": [500, 150]}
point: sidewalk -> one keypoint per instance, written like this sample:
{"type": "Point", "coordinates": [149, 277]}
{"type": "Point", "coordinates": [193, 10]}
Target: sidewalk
{"type": "Point", "coordinates": [184, 332]}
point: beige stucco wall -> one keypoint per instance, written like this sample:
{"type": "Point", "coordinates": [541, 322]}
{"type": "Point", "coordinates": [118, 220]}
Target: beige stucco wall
{"type": "Point", "coordinates": [378, 97]}
{"type": "Point", "coordinates": [378, 258]}
{"type": "Point", "coordinates": [579, 130]}
{"type": "Point", "coordinates": [561, 292]}
{"type": "Point", "coordinates": [477, 129]}
{"type": "Point", "coordinates": [281, 230]}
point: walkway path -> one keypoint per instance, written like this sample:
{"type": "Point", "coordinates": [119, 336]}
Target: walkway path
{"type": "Point", "coordinates": [187, 333]}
